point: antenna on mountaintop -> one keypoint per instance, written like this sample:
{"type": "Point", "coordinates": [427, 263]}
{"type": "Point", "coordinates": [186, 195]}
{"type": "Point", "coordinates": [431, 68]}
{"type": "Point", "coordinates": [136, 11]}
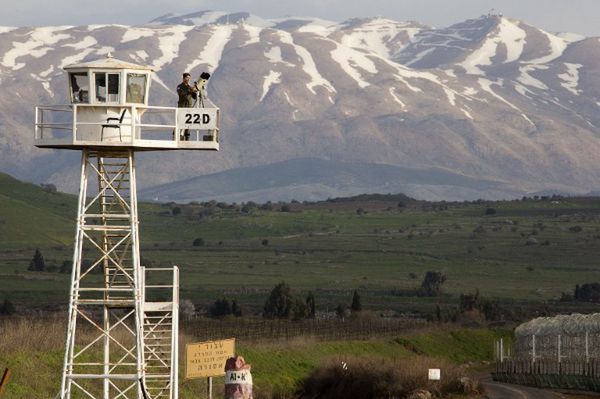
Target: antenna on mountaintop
{"type": "Point", "coordinates": [129, 345]}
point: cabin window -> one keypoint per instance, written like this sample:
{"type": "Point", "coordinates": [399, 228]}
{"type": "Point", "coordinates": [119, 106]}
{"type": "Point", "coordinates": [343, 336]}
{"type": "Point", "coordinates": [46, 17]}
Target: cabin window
{"type": "Point", "coordinates": [79, 87]}
{"type": "Point", "coordinates": [136, 88]}
{"type": "Point", "coordinates": [107, 87]}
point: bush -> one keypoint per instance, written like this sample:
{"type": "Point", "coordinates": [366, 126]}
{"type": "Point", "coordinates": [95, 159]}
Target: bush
{"type": "Point", "coordinates": [382, 378]}
{"type": "Point", "coordinates": [176, 211]}
{"type": "Point", "coordinates": [198, 242]}
{"type": "Point", "coordinates": [280, 303]}
{"type": "Point", "coordinates": [66, 267]}
{"type": "Point", "coordinates": [7, 308]}
{"type": "Point", "coordinates": [222, 308]}
{"type": "Point", "coordinates": [432, 283]}
{"type": "Point", "coordinates": [264, 242]}
{"type": "Point", "coordinates": [589, 292]}
{"type": "Point", "coordinates": [490, 211]}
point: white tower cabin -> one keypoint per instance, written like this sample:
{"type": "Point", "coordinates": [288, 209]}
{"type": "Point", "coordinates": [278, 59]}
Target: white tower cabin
{"type": "Point", "coordinates": [123, 318]}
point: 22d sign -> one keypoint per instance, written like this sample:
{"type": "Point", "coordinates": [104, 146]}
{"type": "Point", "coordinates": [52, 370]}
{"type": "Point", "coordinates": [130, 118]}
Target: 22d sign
{"type": "Point", "coordinates": [197, 118]}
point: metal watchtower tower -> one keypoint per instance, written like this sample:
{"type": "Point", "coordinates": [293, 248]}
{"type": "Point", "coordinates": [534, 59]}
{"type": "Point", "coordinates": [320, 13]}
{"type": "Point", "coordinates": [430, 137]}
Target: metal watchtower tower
{"type": "Point", "coordinates": [120, 343]}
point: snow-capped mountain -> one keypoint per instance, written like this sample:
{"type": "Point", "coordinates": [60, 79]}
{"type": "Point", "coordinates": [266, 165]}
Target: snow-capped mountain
{"type": "Point", "coordinates": [490, 99]}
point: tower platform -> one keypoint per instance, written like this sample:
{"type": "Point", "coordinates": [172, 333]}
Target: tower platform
{"type": "Point", "coordinates": [140, 127]}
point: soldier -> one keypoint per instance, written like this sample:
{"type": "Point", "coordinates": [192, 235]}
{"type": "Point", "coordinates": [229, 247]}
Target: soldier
{"type": "Point", "coordinates": [187, 94]}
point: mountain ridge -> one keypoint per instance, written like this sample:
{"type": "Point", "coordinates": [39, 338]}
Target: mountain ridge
{"type": "Point", "coordinates": [508, 103]}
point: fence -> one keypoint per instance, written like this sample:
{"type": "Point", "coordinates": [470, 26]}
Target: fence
{"type": "Point", "coordinates": [572, 374]}
{"type": "Point", "coordinates": [550, 361]}
{"type": "Point", "coordinates": [269, 330]}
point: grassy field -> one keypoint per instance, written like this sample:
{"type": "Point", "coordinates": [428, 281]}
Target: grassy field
{"type": "Point", "coordinates": [525, 252]}
{"type": "Point", "coordinates": [35, 346]}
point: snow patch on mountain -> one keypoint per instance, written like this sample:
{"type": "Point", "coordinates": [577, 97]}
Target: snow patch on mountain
{"type": "Point", "coordinates": [75, 58]}
{"type": "Point", "coordinates": [373, 35]}
{"type": "Point", "coordinates": [34, 47]}
{"type": "Point", "coordinates": [6, 29]}
{"type": "Point", "coordinates": [132, 34]}
{"type": "Point", "coordinates": [213, 50]}
{"type": "Point", "coordinates": [571, 37]}
{"type": "Point", "coordinates": [420, 56]}
{"type": "Point", "coordinates": [169, 40]}
{"type": "Point", "coordinates": [274, 56]}
{"type": "Point", "coordinates": [396, 97]}
{"type": "Point", "coordinates": [528, 80]}
{"type": "Point", "coordinates": [87, 41]}
{"type": "Point", "coordinates": [351, 60]}
{"type": "Point", "coordinates": [308, 65]}
{"type": "Point", "coordinates": [319, 29]}
{"type": "Point", "coordinates": [253, 33]}
{"type": "Point", "coordinates": [142, 55]}
{"type": "Point", "coordinates": [272, 78]}
{"type": "Point", "coordinates": [570, 79]}
{"type": "Point", "coordinates": [508, 34]}
{"type": "Point", "coordinates": [557, 46]}
{"type": "Point", "coordinates": [486, 85]}
{"type": "Point", "coordinates": [47, 72]}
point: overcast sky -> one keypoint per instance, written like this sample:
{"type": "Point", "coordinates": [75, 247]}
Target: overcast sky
{"type": "Point", "coordinates": [578, 16]}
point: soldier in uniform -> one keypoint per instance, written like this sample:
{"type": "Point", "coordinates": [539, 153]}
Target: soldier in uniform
{"type": "Point", "coordinates": [187, 94]}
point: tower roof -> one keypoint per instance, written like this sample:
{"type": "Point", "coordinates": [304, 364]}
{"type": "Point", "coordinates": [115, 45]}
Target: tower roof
{"type": "Point", "coordinates": [108, 63]}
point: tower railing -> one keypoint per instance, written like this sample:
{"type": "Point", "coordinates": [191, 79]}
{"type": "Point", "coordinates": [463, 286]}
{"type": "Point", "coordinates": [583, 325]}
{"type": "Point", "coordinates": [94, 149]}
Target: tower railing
{"type": "Point", "coordinates": [144, 127]}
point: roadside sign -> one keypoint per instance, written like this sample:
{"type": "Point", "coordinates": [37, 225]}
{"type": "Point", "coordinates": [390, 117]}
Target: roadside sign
{"type": "Point", "coordinates": [434, 374]}
{"type": "Point", "coordinates": [207, 359]}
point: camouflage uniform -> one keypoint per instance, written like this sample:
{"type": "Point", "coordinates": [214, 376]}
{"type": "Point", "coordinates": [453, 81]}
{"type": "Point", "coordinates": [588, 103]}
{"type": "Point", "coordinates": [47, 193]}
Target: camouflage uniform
{"type": "Point", "coordinates": [186, 100]}
{"type": "Point", "coordinates": [186, 96]}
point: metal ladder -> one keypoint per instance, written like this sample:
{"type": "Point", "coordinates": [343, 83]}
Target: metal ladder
{"type": "Point", "coordinates": [161, 336]}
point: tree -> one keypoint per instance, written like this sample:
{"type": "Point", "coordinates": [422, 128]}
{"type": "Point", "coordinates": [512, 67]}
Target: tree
{"type": "Point", "coordinates": [236, 309]}
{"type": "Point", "coordinates": [37, 264]}
{"type": "Point", "coordinates": [7, 307]}
{"type": "Point", "coordinates": [356, 305]}
{"type": "Point", "coordinates": [280, 303]}
{"type": "Point", "coordinates": [469, 302]}
{"type": "Point", "coordinates": [220, 308]}
{"type": "Point", "coordinates": [310, 303]}
{"type": "Point", "coordinates": [432, 283]}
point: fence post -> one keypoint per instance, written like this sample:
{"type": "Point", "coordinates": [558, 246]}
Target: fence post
{"type": "Point", "coordinates": [559, 342]}
{"type": "Point", "coordinates": [533, 348]}
{"type": "Point", "coordinates": [501, 350]}
{"type": "Point", "coordinates": [587, 347]}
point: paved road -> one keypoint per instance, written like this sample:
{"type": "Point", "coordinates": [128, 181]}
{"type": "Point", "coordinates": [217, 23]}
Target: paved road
{"type": "Point", "coordinates": [497, 390]}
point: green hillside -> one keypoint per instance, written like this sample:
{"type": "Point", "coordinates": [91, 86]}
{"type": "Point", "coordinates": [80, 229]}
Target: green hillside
{"type": "Point", "coordinates": [525, 251]}
{"type": "Point", "coordinates": [31, 217]}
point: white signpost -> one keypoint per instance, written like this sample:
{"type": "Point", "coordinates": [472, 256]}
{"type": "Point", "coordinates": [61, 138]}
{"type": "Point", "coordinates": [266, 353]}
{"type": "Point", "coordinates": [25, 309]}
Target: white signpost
{"type": "Point", "coordinates": [435, 374]}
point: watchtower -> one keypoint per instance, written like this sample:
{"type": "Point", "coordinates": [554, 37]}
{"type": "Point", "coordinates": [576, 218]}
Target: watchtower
{"type": "Point", "coordinates": [123, 318]}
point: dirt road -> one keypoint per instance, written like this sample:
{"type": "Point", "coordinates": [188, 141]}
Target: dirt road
{"type": "Point", "coordinates": [497, 390]}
